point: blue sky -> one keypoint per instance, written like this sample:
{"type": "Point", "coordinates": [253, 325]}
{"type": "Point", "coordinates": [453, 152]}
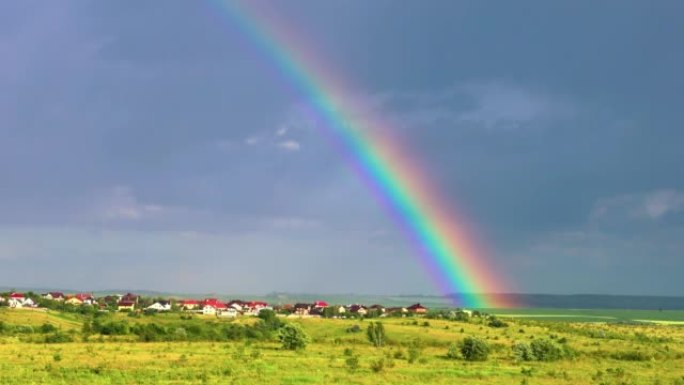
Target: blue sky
{"type": "Point", "coordinates": [148, 147]}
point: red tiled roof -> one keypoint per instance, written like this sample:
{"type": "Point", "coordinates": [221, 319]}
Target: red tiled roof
{"type": "Point", "coordinates": [190, 302]}
{"type": "Point", "coordinates": [321, 304]}
{"type": "Point", "coordinates": [215, 303]}
{"type": "Point", "coordinates": [16, 295]}
{"type": "Point", "coordinates": [84, 296]}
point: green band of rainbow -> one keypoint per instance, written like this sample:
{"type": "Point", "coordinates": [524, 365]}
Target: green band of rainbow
{"type": "Point", "coordinates": [455, 266]}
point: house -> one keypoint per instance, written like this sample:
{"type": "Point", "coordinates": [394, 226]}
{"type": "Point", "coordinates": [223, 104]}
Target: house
{"type": "Point", "coordinates": [301, 308]}
{"type": "Point", "coordinates": [378, 308]}
{"type": "Point", "coordinates": [18, 300]}
{"type": "Point", "coordinates": [396, 310]}
{"type": "Point", "coordinates": [253, 307]}
{"type": "Point", "coordinates": [212, 306]}
{"type": "Point", "coordinates": [82, 299]}
{"type": "Point", "coordinates": [160, 306]}
{"type": "Point", "coordinates": [237, 304]}
{"type": "Point", "coordinates": [228, 312]}
{"type": "Point", "coordinates": [54, 296]}
{"type": "Point", "coordinates": [341, 310]}
{"type": "Point", "coordinates": [189, 304]}
{"type": "Point", "coordinates": [73, 300]}
{"type": "Point", "coordinates": [129, 297]}
{"type": "Point", "coordinates": [125, 305]}
{"type": "Point", "coordinates": [417, 308]}
{"type": "Point", "coordinates": [358, 309]}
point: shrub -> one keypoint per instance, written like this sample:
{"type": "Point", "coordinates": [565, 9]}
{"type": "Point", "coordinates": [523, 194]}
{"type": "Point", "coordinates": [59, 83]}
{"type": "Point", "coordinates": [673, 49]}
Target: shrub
{"type": "Point", "coordinates": [546, 350]}
{"type": "Point", "coordinates": [352, 363]}
{"type": "Point", "coordinates": [270, 319]}
{"type": "Point", "coordinates": [523, 352]}
{"type": "Point", "coordinates": [378, 366]}
{"type": "Point", "coordinates": [293, 337]}
{"type": "Point", "coordinates": [47, 328]}
{"type": "Point", "coordinates": [453, 353]}
{"type": "Point", "coordinates": [57, 338]}
{"type": "Point", "coordinates": [354, 329]}
{"type": "Point", "coordinates": [376, 334]}
{"type": "Point", "coordinates": [496, 323]}
{"type": "Point", "coordinates": [631, 356]}
{"type": "Point", "coordinates": [474, 349]}
{"type": "Point", "coordinates": [413, 352]}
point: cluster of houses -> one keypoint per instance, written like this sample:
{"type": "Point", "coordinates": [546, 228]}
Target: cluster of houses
{"type": "Point", "coordinates": [209, 306]}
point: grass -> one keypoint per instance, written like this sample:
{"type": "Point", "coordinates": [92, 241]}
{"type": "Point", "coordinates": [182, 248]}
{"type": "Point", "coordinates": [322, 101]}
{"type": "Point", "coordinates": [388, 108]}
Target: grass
{"type": "Point", "coordinates": [593, 315]}
{"type": "Point", "coordinates": [605, 354]}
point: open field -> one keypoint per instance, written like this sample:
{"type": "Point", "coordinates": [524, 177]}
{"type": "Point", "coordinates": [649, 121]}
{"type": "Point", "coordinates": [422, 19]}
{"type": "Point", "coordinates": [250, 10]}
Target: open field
{"type": "Point", "coordinates": [594, 315]}
{"type": "Point", "coordinates": [598, 353]}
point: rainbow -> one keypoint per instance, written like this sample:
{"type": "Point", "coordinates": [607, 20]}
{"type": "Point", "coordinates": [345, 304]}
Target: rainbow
{"type": "Point", "coordinates": [443, 245]}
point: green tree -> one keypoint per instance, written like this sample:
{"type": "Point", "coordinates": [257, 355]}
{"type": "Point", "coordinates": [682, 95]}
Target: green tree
{"type": "Point", "coordinates": [474, 349]}
{"type": "Point", "coordinates": [376, 334]}
{"type": "Point", "coordinates": [293, 337]}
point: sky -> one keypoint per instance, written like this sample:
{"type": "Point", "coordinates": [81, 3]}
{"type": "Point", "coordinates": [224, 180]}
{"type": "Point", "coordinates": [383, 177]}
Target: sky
{"type": "Point", "coordinates": [150, 146]}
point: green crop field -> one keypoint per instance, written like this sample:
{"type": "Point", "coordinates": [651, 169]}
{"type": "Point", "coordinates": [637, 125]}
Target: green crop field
{"type": "Point", "coordinates": [418, 350]}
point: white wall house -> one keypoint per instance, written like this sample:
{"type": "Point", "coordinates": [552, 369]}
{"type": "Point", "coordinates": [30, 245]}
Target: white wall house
{"type": "Point", "coordinates": [159, 306]}
{"type": "Point", "coordinates": [227, 313]}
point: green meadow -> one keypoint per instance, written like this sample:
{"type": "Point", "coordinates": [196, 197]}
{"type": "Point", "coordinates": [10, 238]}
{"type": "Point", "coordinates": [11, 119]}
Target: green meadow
{"type": "Point", "coordinates": [76, 349]}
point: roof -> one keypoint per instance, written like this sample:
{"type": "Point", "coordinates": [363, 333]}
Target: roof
{"type": "Point", "coordinates": [256, 303]}
{"type": "Point", "coordinates": [84, 296]}
{"type": "Point", "coordinates": [126, 303]}
{"type": "Point", "coordinates": [55, 294]}
{"type": "Point", "coordinates": [190, 302]}
{"type": "Point", "coordinates": [215, 303]}
{"type": "Point", "coordinates": [321, 304]}
{"type": "Point", "coordinates": [16, 295]}
{"type": "Point", "coordinates": [416, 306]}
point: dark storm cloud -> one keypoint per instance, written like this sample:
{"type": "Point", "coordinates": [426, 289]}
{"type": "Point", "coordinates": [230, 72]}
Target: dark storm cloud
{"type": "Point", "coordinates": [160, 139]}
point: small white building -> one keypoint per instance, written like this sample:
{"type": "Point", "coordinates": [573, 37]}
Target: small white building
{"type": "Point", "coordinates": [227, 313]}
{"type": "Point", "coordinates": [160, 306]}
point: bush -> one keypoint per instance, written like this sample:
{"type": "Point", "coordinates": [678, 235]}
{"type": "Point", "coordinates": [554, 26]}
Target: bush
{"type": "Point", "coordinates": [58, 338]}
{"type": "Point", "coordinates": [378, 366]}
{"type": "Point", "coordinates": [353, 329]}
{"type": "Point", "coordinates": [474, 349]}
{"type": "Point", "coordinates": [47, 328]}
{"type": "Point", "coordinates": [631, 356]}
{"type": "Point", "coordinates": [376, 334]}
{"type": "Point", "coordinates": [352, 363]}
{"type": "Point", "coordinates": [270, 319]}
{"type": "Point", "coordinates": [496, 323]}
{"type": "Point", "coordinates": [453, 353]}
{"type": "Point", "coordinates": [523, 352]}
{"type": "Point", "coordinates": [293, 337]}
{"type": "Point", "coordinates": [413, 352]}
{"type": "Point", "coordinates": [546, 350]}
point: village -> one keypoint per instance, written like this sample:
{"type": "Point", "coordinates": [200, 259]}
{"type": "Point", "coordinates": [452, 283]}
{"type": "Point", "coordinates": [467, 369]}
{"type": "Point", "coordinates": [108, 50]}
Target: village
{"type": "Point", "coordinates": [130, 302]}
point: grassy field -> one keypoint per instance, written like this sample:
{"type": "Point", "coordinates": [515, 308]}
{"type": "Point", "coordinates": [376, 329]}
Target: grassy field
{"type": "Point", "coordinates": [602, 353]}
{"type": "Point", "coordinates": [594, 315]}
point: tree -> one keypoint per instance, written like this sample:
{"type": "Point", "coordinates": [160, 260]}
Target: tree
{"type": "Point", "coordinates": [376, 334]}
{"type": "Point", "coordinates": [270, 319]}
{"type": "Point", "coordinates": [474, 349]}
{"type": "Point", "coordinates": [293, 337]}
